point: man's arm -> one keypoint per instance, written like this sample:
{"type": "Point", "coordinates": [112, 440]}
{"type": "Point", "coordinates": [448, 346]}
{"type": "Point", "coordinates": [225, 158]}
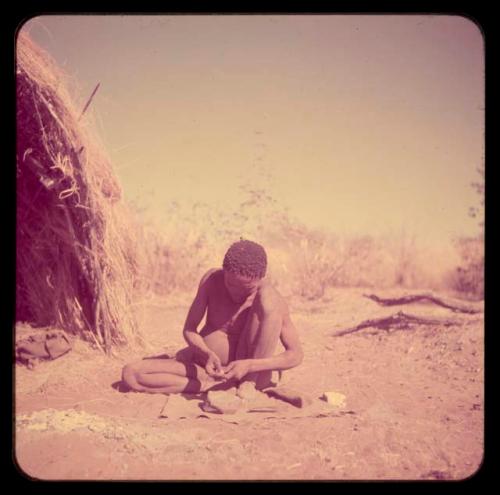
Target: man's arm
{"type": "Point", "coordinates": [195, 315]}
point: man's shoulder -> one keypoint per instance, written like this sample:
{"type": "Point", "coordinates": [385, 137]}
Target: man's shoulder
{"type": "Point", "coordinates": [210, 276]}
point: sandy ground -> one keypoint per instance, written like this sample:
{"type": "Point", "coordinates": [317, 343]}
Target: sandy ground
{"type": "Point", "coordinates": [414, 406]}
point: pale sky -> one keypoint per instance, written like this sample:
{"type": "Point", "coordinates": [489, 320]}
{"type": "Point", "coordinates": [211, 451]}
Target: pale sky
{"type": "Point", "coordinates": [357, 124]}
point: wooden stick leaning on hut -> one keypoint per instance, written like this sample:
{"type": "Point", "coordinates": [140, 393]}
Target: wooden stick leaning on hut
{"type": "Point", "coordinates": [399, 321]}
{"type": "Point", "coordinates": [89, 101]}
{"type": "Point", "coordinates": [420, 298]}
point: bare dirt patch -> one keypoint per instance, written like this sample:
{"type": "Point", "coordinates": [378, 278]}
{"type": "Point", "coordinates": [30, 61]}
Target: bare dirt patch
{"type": "Point", "coordinates": [414, 406]}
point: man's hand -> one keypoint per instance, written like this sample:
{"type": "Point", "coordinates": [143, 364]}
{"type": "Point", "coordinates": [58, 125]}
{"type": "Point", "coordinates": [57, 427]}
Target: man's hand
{"type": "Point", "coordinates": [214, 366]}
{"type": "Point", "coordinates": [237, 369]}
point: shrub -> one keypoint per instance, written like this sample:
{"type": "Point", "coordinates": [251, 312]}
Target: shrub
{"type": "Point", "coordinates": [468, 277]}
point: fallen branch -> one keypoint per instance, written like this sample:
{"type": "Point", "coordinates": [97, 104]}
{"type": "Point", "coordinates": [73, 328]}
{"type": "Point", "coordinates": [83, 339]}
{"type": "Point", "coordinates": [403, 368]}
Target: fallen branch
{"type": "Point", "coordinates": [398, 321]}
{"type": "Point", "coordinates": [420, 298]}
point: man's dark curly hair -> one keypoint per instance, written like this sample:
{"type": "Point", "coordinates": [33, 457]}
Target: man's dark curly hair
{"type": "Point", "coordinates": [246, 258]}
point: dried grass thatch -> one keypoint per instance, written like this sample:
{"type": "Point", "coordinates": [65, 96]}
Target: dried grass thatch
{"type": "Point", "coordinates": [75, 256]}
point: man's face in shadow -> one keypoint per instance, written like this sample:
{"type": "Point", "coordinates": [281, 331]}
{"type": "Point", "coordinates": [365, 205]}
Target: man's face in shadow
{"type": "Point", "coordinates": [240, 287]}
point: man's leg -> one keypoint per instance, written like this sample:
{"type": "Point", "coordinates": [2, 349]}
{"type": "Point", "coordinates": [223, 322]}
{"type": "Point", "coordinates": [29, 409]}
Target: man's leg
{"type": "Point", "coordinates": [166, 376]}
{"type": "Point", "coordinates": [255, 342]}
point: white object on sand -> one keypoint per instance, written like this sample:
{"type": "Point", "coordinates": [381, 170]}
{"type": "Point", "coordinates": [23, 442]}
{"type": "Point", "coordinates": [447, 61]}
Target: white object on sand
{"type": "Point", "coordinates": [334, 398]}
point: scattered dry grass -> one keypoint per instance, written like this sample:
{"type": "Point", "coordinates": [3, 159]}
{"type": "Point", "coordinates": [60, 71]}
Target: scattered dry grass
{"type": "Point", "coordinates": [305, 262]}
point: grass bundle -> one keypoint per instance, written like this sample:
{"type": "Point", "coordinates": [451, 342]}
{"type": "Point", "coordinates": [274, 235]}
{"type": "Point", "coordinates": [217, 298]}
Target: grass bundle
{"type": "Point", "coordinates": [76, 257]}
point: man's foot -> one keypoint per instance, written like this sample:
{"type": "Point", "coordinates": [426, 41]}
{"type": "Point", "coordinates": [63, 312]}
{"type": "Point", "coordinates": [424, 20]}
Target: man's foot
{"type": "Point", "coordinates": [247, 391]}
{"type": "Point", "coordinates": [224, 402]}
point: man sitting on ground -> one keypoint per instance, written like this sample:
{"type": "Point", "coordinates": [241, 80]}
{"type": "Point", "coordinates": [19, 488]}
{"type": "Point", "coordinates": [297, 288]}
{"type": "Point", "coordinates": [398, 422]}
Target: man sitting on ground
{"type": "Point", "coordinates": [246, 317]}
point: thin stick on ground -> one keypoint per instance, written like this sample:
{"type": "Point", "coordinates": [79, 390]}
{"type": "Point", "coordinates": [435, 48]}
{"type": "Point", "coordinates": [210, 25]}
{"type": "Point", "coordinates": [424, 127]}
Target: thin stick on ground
{"type": "Point", "coordinates": [398, 321]}
{"type": "Point", "coordinates": [420, 298]}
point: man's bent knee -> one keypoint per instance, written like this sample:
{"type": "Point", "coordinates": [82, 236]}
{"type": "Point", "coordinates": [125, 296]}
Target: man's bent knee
{"type": "Point", "coordinates": [129, 373]}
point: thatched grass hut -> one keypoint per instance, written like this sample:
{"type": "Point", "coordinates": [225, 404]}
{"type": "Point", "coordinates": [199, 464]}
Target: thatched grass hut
{"type": "Point", "coordinates": [76, 259]}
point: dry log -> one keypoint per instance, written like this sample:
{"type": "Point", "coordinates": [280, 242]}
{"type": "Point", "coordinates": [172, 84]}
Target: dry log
{"type": "Point", "coordinates": [421, 298]}
{"type": "Point", "coordinates": [398, 321]}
